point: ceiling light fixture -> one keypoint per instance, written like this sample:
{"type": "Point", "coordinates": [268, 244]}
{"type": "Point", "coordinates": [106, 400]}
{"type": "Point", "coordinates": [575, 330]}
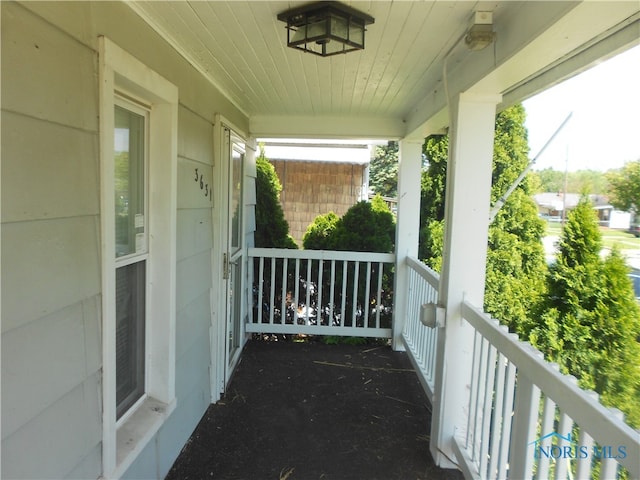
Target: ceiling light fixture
{"type": "Point", "coordinates": [325, 28]}
{"type": "Point", "coordinates": [480, 35]}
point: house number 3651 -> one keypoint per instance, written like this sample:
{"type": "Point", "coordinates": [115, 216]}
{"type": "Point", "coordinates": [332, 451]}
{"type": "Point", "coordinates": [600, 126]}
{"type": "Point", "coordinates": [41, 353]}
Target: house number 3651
{"type": "Point", "coordinates": [204, 186]}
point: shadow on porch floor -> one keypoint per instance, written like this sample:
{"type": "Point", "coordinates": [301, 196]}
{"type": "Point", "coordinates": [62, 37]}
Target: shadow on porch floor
{"type": "Point", "coordinates": [315, 411]}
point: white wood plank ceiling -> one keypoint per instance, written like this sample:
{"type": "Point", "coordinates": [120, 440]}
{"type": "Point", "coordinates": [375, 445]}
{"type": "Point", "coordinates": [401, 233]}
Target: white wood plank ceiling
{"type": "Point", "coordinates": [241, 47]}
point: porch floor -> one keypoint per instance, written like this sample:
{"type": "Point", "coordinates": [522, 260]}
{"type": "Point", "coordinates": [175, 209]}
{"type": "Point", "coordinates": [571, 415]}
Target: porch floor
{"type": "Point", "coordinates": [315, 411]}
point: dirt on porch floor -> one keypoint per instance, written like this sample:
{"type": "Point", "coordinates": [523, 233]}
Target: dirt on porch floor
{"type": "Point", "coordinates": [301, 411]}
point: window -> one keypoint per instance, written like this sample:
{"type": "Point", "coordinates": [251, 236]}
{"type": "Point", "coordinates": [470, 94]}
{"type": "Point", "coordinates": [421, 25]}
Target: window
{"type": "Point", "coordinates": [138, 157]}
{"type": "Point", "coordinates": [131, 253]}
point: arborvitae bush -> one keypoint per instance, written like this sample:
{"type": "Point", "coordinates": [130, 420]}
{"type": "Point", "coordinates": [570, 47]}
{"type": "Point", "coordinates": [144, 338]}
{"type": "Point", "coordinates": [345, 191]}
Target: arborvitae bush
{"type": "Point", "coordinates": [365, 227]}
{"type": "Point", "coordinates": [319, 233]}
{"type": "Point", "coordinates": [590, 322]}
{"type": "Point", "coordinates": [272, 229]}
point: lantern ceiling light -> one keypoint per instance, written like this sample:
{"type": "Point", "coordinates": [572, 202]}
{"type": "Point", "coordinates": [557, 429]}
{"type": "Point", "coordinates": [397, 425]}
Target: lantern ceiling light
{"type": "Point", "coordinates": [325, 28]}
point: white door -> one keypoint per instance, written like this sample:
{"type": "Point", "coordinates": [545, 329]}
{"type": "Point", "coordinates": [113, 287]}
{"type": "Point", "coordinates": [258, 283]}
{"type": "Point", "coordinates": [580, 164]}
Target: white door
{"type": "Point", "coordinates": [233, 256]}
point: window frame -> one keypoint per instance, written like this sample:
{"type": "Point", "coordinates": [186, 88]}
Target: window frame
{"type": "Point", "coordinates": [124, 101]}
{"type": "Point", "coordinates": [120, 75]}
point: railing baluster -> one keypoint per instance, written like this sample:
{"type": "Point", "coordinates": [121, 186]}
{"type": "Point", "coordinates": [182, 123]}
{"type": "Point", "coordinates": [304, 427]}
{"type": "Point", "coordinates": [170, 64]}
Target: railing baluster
{"type": "Point", "coordinates": [473, 395]}
{"type": "Point", "coordinates": [488, 407]}
{"type": "Point", "coordinates": [319, 308]}
{"type": "Point", "coordinates": [564, 430]}
{"type": "Point", "coordinates": [332, 292]}
{"type": "Point", "coordinates": [343, 313]}
{"type": "Point", "coordinates": [296, 296]}
{"type": "Point", "coordinates": [583, 469]}
{"type": "Point", "coordinates": [497, 416]}
{"type": "Point", "coordinates": [260, 289]}
{"type": "Point", "coordinates": [507, 413]}
{"type": "Point", "coordinates": [356, 279]}
{"type": "Point", "coordinates": [548, 414]}
{"type": "Point", "coordinates": [272, 292]}
{"type": "Point", "coordinates": [366, 303]}
{"type": "Point", "coordinates": [379, 296]}
{"type": "Point", "coordinates": [284, 290]}
{"type": "Point", "coordinates": [525, 420]}
{"type": "Point", "coordinates": [480, 389]}
{"type": "Point", "coordinates": [609, 466]}
{"type": "Point", "coordinates": [308, 296]}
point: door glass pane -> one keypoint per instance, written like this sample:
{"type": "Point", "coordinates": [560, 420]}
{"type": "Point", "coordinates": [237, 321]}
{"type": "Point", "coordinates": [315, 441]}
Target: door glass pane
{"type": "Point", "coordinates": [237, 158]}
{"type": "Point", "coordinates": [234, 315]}
{"type": "Point", "coordinates": [130, 335]}
{"type": "Point", "coordinates": [129, 182]}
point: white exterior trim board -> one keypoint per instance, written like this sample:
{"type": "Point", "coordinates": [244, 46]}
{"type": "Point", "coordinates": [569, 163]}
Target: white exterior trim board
{"type": "Point", "coordinates": [119, 70]}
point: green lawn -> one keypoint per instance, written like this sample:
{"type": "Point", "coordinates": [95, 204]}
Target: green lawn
{"type": "Point", "coordinates": [625, 241]}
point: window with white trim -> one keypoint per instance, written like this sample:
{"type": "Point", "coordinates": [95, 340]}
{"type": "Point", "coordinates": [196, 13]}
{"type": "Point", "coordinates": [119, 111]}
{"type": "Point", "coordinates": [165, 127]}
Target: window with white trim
{"type": "Point", "coordinates": [138, 156]}
{"type": "Point", "coordinates": [130, 181]}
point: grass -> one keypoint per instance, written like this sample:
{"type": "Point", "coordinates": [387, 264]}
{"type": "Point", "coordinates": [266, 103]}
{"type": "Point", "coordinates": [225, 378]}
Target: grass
{"type": "Point", "coordinates": [610, 237]}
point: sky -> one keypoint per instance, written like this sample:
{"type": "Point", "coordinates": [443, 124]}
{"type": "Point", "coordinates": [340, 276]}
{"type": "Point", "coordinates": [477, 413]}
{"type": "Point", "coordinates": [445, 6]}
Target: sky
{"type": "Point", "coordinates": [604, 130]}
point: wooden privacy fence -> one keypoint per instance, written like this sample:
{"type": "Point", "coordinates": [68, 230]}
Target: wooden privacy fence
{"type": "Point", "coordinates": [321, 292]}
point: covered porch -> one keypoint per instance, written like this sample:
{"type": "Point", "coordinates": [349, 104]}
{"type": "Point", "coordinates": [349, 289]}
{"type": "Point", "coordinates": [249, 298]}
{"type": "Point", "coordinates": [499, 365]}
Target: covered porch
{"type": "Point", "coordinates": [304, 409]}
{"type": "Point", "coordinates": [496, 408]}
{"type": "Point", "coordinates": [207, 79]}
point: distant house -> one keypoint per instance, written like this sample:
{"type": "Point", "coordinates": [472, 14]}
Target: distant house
{"type": "Point", "coordinates": [551, 205]}
{"type": "Point", "coordinates": [318, 178]}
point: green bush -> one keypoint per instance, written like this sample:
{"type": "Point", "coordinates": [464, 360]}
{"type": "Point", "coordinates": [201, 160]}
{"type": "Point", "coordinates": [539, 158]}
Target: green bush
{"type": "Point", "coordinates": [272, 229]}
{"type": "Point", "coordinates": [365, 227]}
{"type": "Point", "coordinates": [320, 231]}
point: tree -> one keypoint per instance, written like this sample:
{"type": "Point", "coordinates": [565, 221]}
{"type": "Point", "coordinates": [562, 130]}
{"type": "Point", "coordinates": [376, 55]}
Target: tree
{"type": "Point", "coordinates": [272, 229]}
{"type": "Point", "coordinates": [432, 190]}
{"type": "Point", "coordinates": [625, 187]}
{"type": "Point", "coordinates": [516, 265]}
{"type": "Point", "coordinates": [550, 180]}
{"type": "Point", "coordinates": [383, 170]}
{"type": "Point", "coordinates": [515, 261]}
{"type": "Point", "coordinates": [590, 322]}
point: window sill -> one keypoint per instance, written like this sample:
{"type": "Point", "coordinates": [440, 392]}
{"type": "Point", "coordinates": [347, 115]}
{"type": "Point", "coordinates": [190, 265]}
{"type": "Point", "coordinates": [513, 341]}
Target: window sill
{"type": "Point", "coordinates": [136, 432]}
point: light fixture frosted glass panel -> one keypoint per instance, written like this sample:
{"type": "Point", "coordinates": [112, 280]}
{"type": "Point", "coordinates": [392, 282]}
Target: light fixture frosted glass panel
{"type": "Point", "coordinates": [356, 34]}
{"type": "Point", "coordinates": [339, 28]}
{"type": "Point", "coordinates": [310, 32]}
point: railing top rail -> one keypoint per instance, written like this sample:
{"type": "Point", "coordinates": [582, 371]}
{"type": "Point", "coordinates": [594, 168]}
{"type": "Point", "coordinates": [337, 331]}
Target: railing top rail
{"type": "Point", "coordinates": [599, 421]}
{"type": "Point", "coordinates": [322, 255]}
{"type": "Point", "coordinates": [430, 276]}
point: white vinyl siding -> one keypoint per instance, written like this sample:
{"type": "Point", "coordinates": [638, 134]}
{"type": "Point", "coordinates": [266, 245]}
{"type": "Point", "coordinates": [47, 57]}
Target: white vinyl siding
{"type": "Point", "coordinates": [53, 361]}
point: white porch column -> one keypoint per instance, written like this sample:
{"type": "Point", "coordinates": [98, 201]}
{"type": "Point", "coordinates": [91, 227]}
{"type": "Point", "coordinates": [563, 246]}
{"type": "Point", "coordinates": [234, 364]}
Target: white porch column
{"type": "Point", "coordinates": [464, 261]}
{"type": "Point", "coordinates": [407, 228]}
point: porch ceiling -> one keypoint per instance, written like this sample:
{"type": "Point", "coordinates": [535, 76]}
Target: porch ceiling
{"type": "Point", "coordinates": [394, 87]}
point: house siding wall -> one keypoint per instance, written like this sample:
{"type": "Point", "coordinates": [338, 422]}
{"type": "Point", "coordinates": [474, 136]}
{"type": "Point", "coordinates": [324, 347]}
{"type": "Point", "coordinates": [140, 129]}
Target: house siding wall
{"type": "Point", "coordinates": [51, 239]}
{"type": "Point", "coordinates": [310, 189]}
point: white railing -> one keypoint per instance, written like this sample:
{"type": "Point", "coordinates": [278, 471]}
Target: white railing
{"type": "Point", "coordinates": [527, 420]}
{"type": "Point", "coordinates": [321, 292]}
{"type": "Point", "coordinates": [421, 342]}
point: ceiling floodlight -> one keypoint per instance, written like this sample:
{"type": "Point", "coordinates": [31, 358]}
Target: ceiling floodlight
{"type": "Point", "coordinates": [325, 28]}
{"type": "Point", "coordinates": [481, 33]}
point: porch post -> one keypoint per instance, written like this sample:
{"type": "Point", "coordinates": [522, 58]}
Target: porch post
{"type": "Point", "coordinates": [407, 229]}
{"type": "Point", "coordinates": [464, 261]}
